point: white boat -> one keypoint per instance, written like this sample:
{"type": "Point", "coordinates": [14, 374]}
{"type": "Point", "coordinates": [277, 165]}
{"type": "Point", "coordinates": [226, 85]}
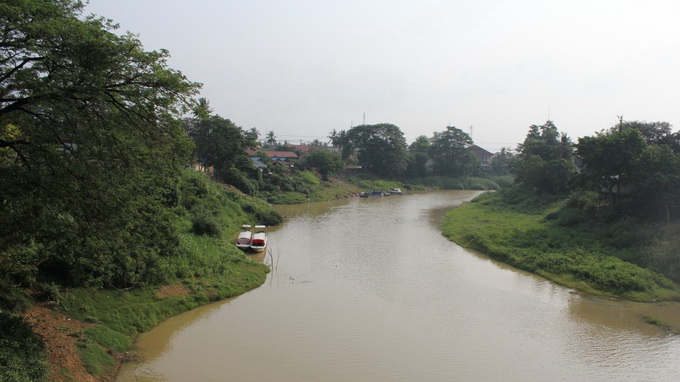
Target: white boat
{"type": "Point", "coordinates": [244, 238]}
{"type": "Point", "coordinates": [258, 241]}
{"type": "Point", "coordinates": [396, 191]}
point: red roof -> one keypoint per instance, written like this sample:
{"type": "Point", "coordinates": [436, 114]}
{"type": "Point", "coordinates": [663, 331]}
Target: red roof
{"type": "Point", "coordinates": [281, 154]}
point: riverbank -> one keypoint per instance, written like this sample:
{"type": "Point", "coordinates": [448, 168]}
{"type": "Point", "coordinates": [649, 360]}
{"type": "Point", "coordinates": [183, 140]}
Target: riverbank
{"type": "Point", "coordinates": [338, 188]}
{"type": "Point", "coordinates": [580, 256]}
{"type": "Point", "coordinates": [57, 332]}
{"type": "Point", "coordinates": [87, 332]}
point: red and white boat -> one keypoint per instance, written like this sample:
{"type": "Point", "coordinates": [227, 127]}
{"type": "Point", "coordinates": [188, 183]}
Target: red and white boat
{"type": "Point", "coordinates": [245, 238]}
{"type": "Point", "coordinates": [258, 241]}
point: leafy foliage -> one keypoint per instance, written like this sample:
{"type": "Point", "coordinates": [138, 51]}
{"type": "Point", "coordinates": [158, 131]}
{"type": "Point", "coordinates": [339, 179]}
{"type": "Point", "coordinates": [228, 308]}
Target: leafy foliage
{"type": "Point", "coordinates": [544, 162]}
{"type": "Point", "coordinates": [381, 148]}
{"type": "Point", "coordinates": [450, 154]}
{"type": "Point", "coordinates": [325, 162]}
{"type": "Point", "coordinates": [22, 352]}
{"type": "Point", "coordinates": [222, 145]}
{"type": "Point", "coordinates": [91, 148]}
{"type": "Point", "coordinates": [639, 175]}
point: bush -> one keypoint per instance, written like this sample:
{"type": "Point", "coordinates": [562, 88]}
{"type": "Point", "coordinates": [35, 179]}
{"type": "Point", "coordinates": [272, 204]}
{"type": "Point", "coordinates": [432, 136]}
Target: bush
{"type": "Point", "coordinates": [22, 352]}
{"type": "Point", "coordinates": [13, 298]}
{"type": "Point", "coordinates": [205, 223]}
{"type": "Point", "coordinates": [568, 217]}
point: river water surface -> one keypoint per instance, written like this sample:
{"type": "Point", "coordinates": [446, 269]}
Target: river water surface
{"type": "Point", "coordinates": [369, 290]}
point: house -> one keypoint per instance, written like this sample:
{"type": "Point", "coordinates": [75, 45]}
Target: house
{"type": "Point", "coordinates": [485, 157]}
{"type": "Point", "coordinates": [281, 154]}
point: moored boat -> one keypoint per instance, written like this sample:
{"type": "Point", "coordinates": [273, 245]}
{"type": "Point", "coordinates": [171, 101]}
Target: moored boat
{"type": "Point", "coordinates": [258, 242]}
{"type": "Point", "coordinates": [244, 238]}
{"type": "Point", "coordinates": [396, 191]}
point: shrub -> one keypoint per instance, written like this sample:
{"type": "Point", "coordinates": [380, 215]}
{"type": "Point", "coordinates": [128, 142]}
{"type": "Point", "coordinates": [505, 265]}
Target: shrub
{"type": "Point", "coordinates": [22, 352]}
{"type": "Point", "coordinates": [205, 223]}
{"type": "Point", "coordinates": [568, 217]}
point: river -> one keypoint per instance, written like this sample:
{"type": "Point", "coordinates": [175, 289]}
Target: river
{"type": "Point", "coordinates": [369, 290]}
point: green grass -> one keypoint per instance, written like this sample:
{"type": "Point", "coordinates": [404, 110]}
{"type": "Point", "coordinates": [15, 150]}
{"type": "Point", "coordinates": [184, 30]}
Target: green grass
{"type": "Point", "coordinates": [583, 258]}
{"type": "Point", "coordinates": [95, 359]}
{"type": "Point", "coordinates": [120, 314]}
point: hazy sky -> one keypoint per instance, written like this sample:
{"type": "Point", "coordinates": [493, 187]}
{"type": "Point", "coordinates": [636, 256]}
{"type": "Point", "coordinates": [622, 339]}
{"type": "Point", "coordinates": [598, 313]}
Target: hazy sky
{"type": "Point", "coordinates": [303, 68]}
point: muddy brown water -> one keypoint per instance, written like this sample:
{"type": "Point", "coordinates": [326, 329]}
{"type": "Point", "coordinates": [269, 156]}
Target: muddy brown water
{"type": "Point", "coordinates": [369, 290]}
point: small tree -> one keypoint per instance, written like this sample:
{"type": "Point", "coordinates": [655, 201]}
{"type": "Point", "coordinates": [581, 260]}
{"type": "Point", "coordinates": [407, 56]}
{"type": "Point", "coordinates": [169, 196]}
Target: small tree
{"type": "Point", "coordinates": [326, 162]}
{"type": "Point", "coordinates": [545, 160]}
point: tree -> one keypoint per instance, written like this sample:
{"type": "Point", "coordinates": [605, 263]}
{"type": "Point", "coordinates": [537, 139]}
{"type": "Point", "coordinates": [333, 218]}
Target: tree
{"type": "Point", "coordinates": [544, 161]}
{"type": "Point", "coordinates": [418, 157]}
{"type": "Point", "coordinates": [202, 108]}
{"type": "Point", "coordinates": [326, 162]}
{"type": "Point", "coordinates": [381, 148]}
{"type": "Point", "coordinates": [611, 160]}
{"type": "Point", "coordinates": [622, 160]}
{"type": "Point", "coordinates": [500, 164]}
{"type": "Point", "coordinates": [656, 189]}
{"type": "Point", "coordinates": [222, 145]}
{"type": "Point", "coordinates": [340, 139]}
{"type": "Point", "coordinates": [450, 155]}
{"type": "Point", "coordinates": [92, 148]}
{"type": "Point", "coordinates": [271, 138]}
{"type": "Point", "coordinates": [654, 133]}
{"type": "Point", "coordinates": [420, 145]}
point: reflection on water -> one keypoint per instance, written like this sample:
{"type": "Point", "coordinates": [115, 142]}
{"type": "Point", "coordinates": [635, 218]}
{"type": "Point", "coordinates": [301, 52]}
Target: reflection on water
{"type": "Point", "coordinates": [369, 290]}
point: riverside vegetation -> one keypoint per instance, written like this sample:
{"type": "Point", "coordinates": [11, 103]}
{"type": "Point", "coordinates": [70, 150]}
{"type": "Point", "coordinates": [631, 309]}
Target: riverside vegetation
{"type": "Point", "coordinates": [206, 268]}
{"type": "Point", "coordinates": [606, 226]}
{"type": "Point", "coordinates": [102, 223]}
{"type": "Point", "coordinates": [554, 239]}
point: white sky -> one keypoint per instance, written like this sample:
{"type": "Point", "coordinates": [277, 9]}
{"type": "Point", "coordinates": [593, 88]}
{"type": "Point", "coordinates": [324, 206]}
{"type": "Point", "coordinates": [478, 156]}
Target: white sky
{"type": "Point", "coordinates": [302, 68]}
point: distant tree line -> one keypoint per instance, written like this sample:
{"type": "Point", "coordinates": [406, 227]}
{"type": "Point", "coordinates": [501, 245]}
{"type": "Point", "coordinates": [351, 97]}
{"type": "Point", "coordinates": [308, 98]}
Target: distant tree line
{"type": "Point", "coordinates": [382, 150]}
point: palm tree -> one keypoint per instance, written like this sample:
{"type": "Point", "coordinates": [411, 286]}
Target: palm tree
{"type": "Point", "coordinates": [202, 108]}
{"type": "Point", "coordinates": [271, 138]}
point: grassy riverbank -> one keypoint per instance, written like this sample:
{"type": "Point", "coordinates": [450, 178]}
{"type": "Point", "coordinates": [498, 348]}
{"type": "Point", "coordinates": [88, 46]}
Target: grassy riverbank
{"type": "Point", "coordinates": [556, 242]}
{"type": "Point", "coordinates": [60, 333]}
{"type": "Point", "coordinates": [335, 188]}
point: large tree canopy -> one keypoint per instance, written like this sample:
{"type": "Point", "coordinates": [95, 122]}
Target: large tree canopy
{"type": "Point", "coordinates": [611, 160]}
{"type": "Point", "coordinates": [90, 144]}
{"type": "Point", "coordinates": [223, 145]}
{"type": "Point", "coordinates": [629, 162]}
{"type": "Point", "coordinates": [380, 149]}
{"type": "Point", "coordinates": [450, 154]}
{"type": "Point", "coordinates": [544, 162]}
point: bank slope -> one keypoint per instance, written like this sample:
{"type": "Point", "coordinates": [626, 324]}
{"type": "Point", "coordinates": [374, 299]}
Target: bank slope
{"type": "Point", "coordinates": [572, 257]}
